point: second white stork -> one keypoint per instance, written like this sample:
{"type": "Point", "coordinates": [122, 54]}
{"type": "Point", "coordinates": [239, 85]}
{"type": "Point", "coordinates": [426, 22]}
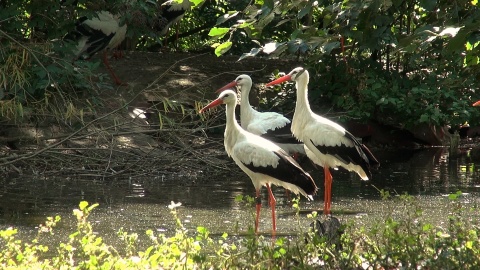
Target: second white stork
{"type": "Point", "coordinates": [263, 161]}
{"type": "Point", "coordinates": [270, 125]}
{"type": "Point", "coordinates": [101, 33]}
{"type": "Point", "coordinates": [326, 143]}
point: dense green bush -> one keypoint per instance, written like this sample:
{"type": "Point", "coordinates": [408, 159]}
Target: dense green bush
{"type": "Point", "coordinates": [401, 240]}
{"type": "Point", "coordinates": [401, 62]}
{"type": "Point", "coordinates": [397, 62]}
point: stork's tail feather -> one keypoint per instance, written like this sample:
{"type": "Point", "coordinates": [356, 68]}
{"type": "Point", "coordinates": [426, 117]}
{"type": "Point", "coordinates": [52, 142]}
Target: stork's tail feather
{"type": "Point", "coordinates": [307, 184]}
{"type": "Point", "coordinates": [372, 161]}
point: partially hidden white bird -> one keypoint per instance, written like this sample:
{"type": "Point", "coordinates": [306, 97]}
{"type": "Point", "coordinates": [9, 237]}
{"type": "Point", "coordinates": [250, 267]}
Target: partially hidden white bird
{"type": "Point", "coordinates": [326, 143]}
{"type": "Point", "coordinates": [170, 13]}
{"type": "Point", "coordinates": [270, 125]}
{"type": "Point", "coordinates": [101, 33]}
{"type": "Point", "coordinates": [263, 161]}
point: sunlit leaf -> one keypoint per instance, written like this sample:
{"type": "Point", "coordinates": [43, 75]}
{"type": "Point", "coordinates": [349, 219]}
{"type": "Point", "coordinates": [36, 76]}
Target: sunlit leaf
{"type": "Point", "coordinates": [218, 32]}
{"type": "Point", "coordinates": [271, 47]}
{"type": "Point", "coordinates": [83, 205]}
{"type": "Point", "coordinates": [253, 52]}
{"type": "Point", "coordinates": [244, 24]}
{"type": "Point", "coordinates": [196, 2]}
{"type": "Point", "coordinates": [451, 31]}
{"type": "Point", "coordinates": [223, 48]}
{"type": "Point", "coordinates": [227, 17]}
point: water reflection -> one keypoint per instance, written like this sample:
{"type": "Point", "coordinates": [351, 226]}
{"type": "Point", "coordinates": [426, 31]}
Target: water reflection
{"type": "Point", "coordinates": [141, 204]}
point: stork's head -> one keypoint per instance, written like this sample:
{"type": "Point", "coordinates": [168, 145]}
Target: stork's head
{"type": "Point", "coordinates": [228, 97]}
{"type": "Point", "coordinates": [476, 103]}
{"type": "Point", "coordinates": [296, 74]}
{"type": "Point", "coordinates": [242, 80]}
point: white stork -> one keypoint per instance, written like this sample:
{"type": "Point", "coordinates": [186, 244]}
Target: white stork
{"type": "Point", "coordinates": [102, 32]}
{"type": "Point", "coordinates": [171, 12]}
{"type": "Point", "coordinates": [326, 142]}
{"type": "Point", "coordinates": [270, 125]}
{"type": "Point", "coordinates": [263, 161]}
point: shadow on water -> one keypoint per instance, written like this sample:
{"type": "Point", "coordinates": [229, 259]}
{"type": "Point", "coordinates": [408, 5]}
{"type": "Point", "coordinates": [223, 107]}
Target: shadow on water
{"type": "Point", "coordinates": [141, 204]}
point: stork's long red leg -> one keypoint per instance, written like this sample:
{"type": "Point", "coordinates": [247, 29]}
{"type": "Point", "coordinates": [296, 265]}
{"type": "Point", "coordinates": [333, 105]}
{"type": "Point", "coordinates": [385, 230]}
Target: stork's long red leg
{"type": "Point", "coordinates": [328, 190]}
{"type": "Point", "coordinates": [109, 68]}
{"type": "Point", "coordinates": [176, 36]}
{"type": "Point", "coordinates": [166, 38]}
{"type": "Point", "coordinates": [258, 207]}
{"type": "Point", "coordinates": [272, 202]}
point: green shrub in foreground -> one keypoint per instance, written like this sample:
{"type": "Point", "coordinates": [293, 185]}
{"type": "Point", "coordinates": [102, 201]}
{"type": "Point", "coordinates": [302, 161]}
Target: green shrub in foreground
{"type": "Point", "coordinates": [401, 241]}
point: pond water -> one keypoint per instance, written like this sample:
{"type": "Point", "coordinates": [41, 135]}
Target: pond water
{"type": "Point", "coordinates": [140, 204]}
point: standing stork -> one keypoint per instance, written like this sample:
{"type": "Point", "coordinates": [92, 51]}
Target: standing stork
{"type": "Point", "coordinates": [326, 143]}
{"type": "Point", "coordinates": [270, 125]}
{"type": "Point", "coordinates": [263, 161]}
{"type": "Point", "coordinates": [101, 33]}
{"type": "Point", "coordinates": [170, 13]}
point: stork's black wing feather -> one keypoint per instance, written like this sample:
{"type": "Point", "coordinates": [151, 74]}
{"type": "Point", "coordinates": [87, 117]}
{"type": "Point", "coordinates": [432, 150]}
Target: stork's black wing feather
{"type": "Point", "coordinates": [289, 171]}
{"type": "Point", "coordinates": [357, 154]}
{"type": "Point", "coordinates": [96, 39]}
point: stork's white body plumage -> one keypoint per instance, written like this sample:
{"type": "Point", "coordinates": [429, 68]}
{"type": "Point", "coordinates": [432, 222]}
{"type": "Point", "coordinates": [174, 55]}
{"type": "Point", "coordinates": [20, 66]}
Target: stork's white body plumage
{"type": "Point", "coordinates": [326, 143]}
{"type": "Point", "coordinates": [100, 33]}
{"type": "Point", "coordinates": [247, 148]}
{"type": "Point", "coordinates": [315, 130]}
{"type": "Point", "coordinates": [265, 124]}
{"type": "Point", "coordinates": [263, 161]}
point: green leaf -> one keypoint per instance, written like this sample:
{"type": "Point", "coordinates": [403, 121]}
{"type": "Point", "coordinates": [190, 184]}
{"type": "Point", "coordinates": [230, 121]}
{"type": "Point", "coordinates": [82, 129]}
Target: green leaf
{"type": "Point", "coordinates": [327, 48]}
{"type": "Point", "coordinates": [424, 118]}
{"type": "Point", "coordinates": [201, 229]}
{"type": "Point", "coordinates": [269, 4]}
{"type": "Point", "coordinates": [218, 32]}
{"type": "Point", "coordinates": [305, 10]}
{"type": "Point", "coordinates": [83, 205]}
{"type": "Point", "coordinates": [197, 2]}
{"type": "Point", "coordinates": [223, 48]}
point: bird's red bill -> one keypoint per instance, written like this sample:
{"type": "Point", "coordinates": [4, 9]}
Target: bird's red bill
{"type": "Point", "coordinates": [212, 104]}
{"type": "Point", "coordinates": [279, 80]}
{"type": "Point", "coordinates": [476, 103]}
{"type": "Point", "coordinates": [228, 86]}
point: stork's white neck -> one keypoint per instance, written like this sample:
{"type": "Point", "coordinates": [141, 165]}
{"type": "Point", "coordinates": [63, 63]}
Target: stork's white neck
{"type": "Point", "coordinates": [232, 128]}
{"type": "Point", "coordinates": [246, 110]}
{"type": "Point", "coordinates": [302, 106]}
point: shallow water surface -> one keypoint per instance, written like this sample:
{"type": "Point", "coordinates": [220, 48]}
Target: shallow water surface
{"type": "Point", "coordinates": [137, 205]}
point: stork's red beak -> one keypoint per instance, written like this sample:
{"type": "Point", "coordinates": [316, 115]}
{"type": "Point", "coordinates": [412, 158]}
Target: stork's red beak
{"type": "Point", "coordinates": [279, 80]}
{"type": "Point", "coordinates": [228, 86]}
{"type": "Point", "coordinates": [476, 103]}
{"type": "Point", "coordinates": [212, 104]}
